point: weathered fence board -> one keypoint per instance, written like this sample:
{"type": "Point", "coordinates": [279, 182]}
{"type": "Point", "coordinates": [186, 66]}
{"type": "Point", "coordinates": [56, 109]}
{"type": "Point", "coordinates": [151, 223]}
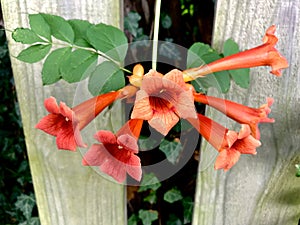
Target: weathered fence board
{"type": "Point", "coordinates": [67, 193]}
{"type": "Point", "coordinates": [259, 189]}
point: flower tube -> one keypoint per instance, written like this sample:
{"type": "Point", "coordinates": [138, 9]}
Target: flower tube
{"type": "Point", "coordinates": [65, 123]}
{"type": "Point", "coordinates": [240, 113]}
{"type": "Point", "coordinates": [228, 143]}
{"type": "Point", "coordinates": [263, 55]}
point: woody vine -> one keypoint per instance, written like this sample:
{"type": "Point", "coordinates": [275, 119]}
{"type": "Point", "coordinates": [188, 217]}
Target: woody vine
{"type": "Point", "coordinates": [70, 50]}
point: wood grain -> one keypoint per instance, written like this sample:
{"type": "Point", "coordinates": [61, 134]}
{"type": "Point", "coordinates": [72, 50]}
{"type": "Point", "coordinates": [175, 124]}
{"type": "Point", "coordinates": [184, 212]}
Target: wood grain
{"type": "Point", "coordinates": [259, 189]}
{"type": "Point", "coordinates": [67, 193]}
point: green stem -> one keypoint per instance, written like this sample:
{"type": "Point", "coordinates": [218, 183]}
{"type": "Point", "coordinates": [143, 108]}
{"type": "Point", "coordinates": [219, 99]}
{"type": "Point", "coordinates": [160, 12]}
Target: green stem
{"type": "Point", "coordinates": [94, 51]}
{"type": "Point", "coordinates": [155, 34]}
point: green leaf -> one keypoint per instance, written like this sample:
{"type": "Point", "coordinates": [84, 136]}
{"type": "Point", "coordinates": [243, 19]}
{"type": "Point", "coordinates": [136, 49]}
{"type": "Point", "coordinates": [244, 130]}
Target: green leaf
{"type": "Point", "coordinates": [166, 21]}
{"type": "Point", "coordinates": [219, 80]}
{"type": "Point", "coordinates": [40, 26]}
{"type": "Point", "coordinates": [151, 198]}
{"type": "Point", "coordinates": [78, 65]}
{"type": "Point", "coordinates": [34, 53]}
{"type": "Point", "coordinates": [240, 76]}
{"type": "Point", "coordinates": [109, 40]}
{"type": "Point", "coordinates": [195, 53]}
{"type": "Point", "coordinates": [172, 195]}
{"type": "Point", "coordinates": [25, 203]}
{"type": "Point", "coordinates": [147, 143]}
{"type": "Point", "coordinates": [188, 206]}
{"type": "Point", "coordinates": [149, 181]}
{"type": "Point", "coordinates": [174, 220]}
{"type": "Point", "coordinates": [106, 77]}
{"type": "Point", "coordinates": [148, 216]}
{"type": "Point", "coordinates": [26, 36]}
{"type": "Point", "coordinates": [133, 220]}
{"type": "Point", "coordinates": [60, 28]}
{"type": "Point", "coordinates": [171, 149]}
{"type": "Point", "coordinates": [131, 23]}
{"type": "Point", "coordinates": [80, 27]}
{"type": "Point", "coordinates": [51, 68]}
{"type": "Point", "coordinates": [31, 221]}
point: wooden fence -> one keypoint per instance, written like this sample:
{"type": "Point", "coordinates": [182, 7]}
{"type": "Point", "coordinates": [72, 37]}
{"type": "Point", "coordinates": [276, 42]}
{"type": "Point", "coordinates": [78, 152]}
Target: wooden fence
{"type": "Point", "coordinates": [260, 189]}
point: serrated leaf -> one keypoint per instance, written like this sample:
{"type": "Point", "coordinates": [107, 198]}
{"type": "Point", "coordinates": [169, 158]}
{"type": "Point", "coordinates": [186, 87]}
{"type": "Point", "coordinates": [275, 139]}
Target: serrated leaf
{"type": "Point", "coordinates": [26, 36]}
{"type": "Point", "coordinates": [131, 23]}
{"type": "Point", "coordinates": [172, 195]}
{"type": "Point", "coordinates": [34, 53]}
{"type": "Point", "coordinates": [78, 65]}
{"type": "Point", "coordinates": [106, 77]}
{"type": "Point", "coordinates": [171, 149]}
{"type": "Point", "coordinates": [240, 76]}
{"type": "Point", "coordinates": [188, 206]}
{"type": "Point", "coordinates": [148, 216]}
{"type": "Point", "coordinates": [60, 28]}
{"type": "Point", "coordinates": [51, 68]}
{"type": "Point", "coordinates": [109, 40]}
{"type": "Point", "coordinates": [149, 182]}
{"type": "Point", "coordinates": [80, 27]}
{"type": "Point", "coordinates": [25, 204]}
{"type": "Point", "coordinates": [40, 26]}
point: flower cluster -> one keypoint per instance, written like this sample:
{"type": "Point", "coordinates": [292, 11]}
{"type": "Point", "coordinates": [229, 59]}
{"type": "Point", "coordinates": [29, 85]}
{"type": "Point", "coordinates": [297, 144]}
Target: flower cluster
{"type": "Point", "coordinates": [162, 100]}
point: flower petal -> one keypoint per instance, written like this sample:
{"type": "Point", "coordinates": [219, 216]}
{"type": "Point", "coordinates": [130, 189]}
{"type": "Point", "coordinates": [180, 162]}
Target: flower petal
{"type": "Point", "coordinates": [142, 108]}
{"type": "Point", "coordinates": [51, 124]}
{"type": "Point", "coordinates": [51, 105]}
{"type": "Point", "coordinates": [226, 159]}
{"type": "Point", "coordinates": [163, 122]}
{"type": "Point", "coordinates": [115, 170]}
{"type": "Point", "coordinates": [95, 156]}
{"type": "Point", "coordinates": [128, 142]}
{"type": "Point", "coordinates": [105, 137]}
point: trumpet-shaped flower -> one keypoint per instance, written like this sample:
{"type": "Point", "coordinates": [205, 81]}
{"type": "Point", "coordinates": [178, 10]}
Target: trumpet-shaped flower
{"type": "Point", "coordinates": [162, 100]}
{"type": "Point", "coordinates": [238, 112]}
{"type": "Point", "coordinates": [116, 154]}
{"type": "Point", "coordinates": [263, 55]}
{"type": "Point", "coordinates": [230, 144]}
{"type": "Point", "coordinates": [65, 123]}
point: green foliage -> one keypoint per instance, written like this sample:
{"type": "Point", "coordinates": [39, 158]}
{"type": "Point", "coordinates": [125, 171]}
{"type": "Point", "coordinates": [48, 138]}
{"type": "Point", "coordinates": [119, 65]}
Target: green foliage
{"type": "Point", "coordinates": [109, 40]}
{"type": "Point", "coordinates": [34, 53]}
{"type": "Point", "coordinates": [25, 204]}
{"type": "Point", "coordinates": [17, 204]}
{"type": "Point", "coordinates": [149, 181]}
{"type": "Point", "coordinates": [200, 54]}
{"type": "Point", "coordinates": [148, 216]}
{"type": "Point", "coordinates": [77, 46]}
{"type": "Point", "coordinates": [240, 76]}
{"type": "Point", "coordinates": [172, 195]}
{"type": "Point", "coordinates": [131, 23]}
{"type": "Point", "coordinates": [172, 150]}
{"type": "Point", "coordinates": [106, 77]}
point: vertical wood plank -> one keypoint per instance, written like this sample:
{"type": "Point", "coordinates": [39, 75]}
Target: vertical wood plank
{"type": "Point", "coordinates": [259, 189]}
{"type": "Point", "coordinates": [67, 192]}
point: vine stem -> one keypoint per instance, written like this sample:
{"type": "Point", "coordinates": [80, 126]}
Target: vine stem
{"type": "Point", "coordinates": [155, 33]}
